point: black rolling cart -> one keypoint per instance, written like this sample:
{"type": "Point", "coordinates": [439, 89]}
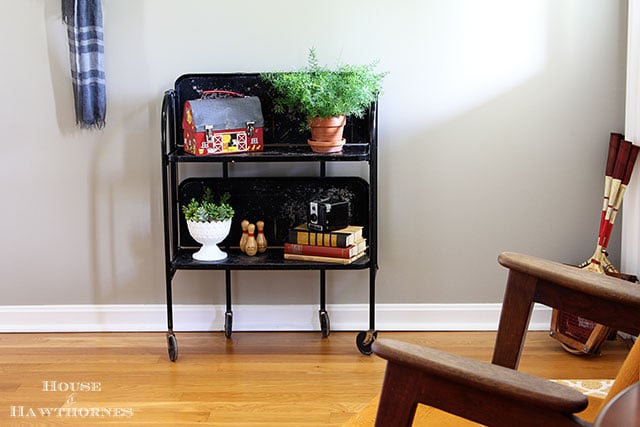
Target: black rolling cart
{"type": "Point", "coordinates": [280, 201]}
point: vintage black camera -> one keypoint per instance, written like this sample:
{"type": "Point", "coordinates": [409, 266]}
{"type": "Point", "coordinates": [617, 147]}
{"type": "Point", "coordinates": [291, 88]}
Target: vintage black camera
{"type": "Point", "coordinates": [328, 214]}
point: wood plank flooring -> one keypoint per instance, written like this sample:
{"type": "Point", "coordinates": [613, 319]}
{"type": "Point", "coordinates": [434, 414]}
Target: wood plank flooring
{"type": "Point", "coordinates": [262, 379]}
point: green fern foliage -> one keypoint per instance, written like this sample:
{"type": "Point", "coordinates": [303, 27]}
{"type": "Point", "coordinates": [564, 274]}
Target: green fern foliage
{"type": "Point", "coordinates": [318, 91]}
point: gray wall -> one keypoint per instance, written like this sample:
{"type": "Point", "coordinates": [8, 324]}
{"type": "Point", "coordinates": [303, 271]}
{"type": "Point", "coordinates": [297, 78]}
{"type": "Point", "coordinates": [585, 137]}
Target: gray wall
{"type": "Point", "coordinates": [493, 133]}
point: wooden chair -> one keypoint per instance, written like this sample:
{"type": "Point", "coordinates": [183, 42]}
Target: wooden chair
{"type": "Point", "coordinates": [496, 394]}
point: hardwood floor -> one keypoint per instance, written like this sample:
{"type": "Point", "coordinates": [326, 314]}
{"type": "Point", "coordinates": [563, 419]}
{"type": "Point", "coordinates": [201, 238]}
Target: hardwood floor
{"type": "Point", "coordinates": [266, 378]}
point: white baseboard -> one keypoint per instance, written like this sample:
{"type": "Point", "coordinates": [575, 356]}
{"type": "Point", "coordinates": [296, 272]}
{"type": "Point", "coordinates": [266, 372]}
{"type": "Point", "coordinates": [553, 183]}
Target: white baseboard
{"type": "Point", "coordinates": [343, 317]}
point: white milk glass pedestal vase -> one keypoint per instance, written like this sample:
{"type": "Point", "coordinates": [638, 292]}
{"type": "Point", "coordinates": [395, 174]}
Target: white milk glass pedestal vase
{"type": "Point", "coordinates": [209, 223]}
{"type": "Point", "coordinates": [209, 234]}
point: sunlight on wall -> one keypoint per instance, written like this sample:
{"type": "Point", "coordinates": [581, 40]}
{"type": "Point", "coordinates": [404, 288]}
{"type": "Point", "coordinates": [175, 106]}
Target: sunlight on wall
{"type": "Point", "coordinates": [500, 44]}
{"type": "Point", "coordinates": [487, 106]}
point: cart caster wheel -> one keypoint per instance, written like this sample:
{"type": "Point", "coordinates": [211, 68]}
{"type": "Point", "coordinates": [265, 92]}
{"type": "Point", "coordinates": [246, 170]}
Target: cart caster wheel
{"type": "Point", "coordinates": [325, 324]}
{"type": "Point", "coordinates": [172, 345]}
{"type": "Point", "coordinates": [364, 340]}
{"type": "Point", "coordinates": [228, 324]}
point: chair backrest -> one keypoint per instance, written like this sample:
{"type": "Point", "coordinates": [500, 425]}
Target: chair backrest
{"type": "Point", "coordinates": [628, 374]}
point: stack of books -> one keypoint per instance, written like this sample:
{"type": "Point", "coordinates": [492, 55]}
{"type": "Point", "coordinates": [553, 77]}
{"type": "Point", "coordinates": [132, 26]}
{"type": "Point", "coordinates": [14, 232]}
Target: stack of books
{"type": "Point", "coordinates": [342, 246]}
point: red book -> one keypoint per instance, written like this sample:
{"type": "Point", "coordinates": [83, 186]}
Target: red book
{"type": "Point", "coordinates": [326, 251]}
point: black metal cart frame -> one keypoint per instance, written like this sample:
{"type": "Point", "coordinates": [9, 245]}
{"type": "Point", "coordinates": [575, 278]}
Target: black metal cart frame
{"type": "Point", "coordinates": [283, 142]}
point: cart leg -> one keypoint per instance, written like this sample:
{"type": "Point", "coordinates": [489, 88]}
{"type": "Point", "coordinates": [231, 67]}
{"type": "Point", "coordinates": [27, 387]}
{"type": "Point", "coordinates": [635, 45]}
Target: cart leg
{"type": "Point", "coordinates": [325, 324]}
{"type": "Point", "coordinates": [364, 340]}
{"type": "Point", "coordinates": [372, 297]}
{"type": "Point", "coordinates": [228, 315]}
{"type": "Point", "coordinates": [172, 342]}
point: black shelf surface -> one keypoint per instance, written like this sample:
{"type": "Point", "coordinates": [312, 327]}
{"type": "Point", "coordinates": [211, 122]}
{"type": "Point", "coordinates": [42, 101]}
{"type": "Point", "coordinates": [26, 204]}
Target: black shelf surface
{"type": "Point", "coordinates": [272, 259]}
{"type": "Point", "coordinates": [278, 153]}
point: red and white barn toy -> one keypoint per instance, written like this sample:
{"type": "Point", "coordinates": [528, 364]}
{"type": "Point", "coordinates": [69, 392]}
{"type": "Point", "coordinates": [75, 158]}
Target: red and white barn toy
{"type": "Point", "coordinates": [229, 124]}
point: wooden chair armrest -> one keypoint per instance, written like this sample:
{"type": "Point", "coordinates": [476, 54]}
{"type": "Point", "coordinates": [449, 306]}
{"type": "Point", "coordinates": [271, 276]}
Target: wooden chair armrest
{"type": "Point", "coordinates": [482, 378]}
{"type": "Point", "coordinates": [602, 299]}
{"type": "Point", "coordinates": [577, 279]}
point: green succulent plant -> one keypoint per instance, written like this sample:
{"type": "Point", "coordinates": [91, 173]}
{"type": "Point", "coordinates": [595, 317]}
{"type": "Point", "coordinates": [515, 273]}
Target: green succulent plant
{"type": "Point", "coordinates": [206, 209]}
{"type": "Point", "coordinates": [318, 91]}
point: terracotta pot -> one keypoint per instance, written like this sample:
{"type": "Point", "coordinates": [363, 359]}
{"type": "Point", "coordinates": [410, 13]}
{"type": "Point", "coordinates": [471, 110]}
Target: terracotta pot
{"type": "Point", "coordinates": [326, 134]}
{"type": "Point", "coordinates": [326, 146]}
{"type": "Point", "coordinates": [327, 128]}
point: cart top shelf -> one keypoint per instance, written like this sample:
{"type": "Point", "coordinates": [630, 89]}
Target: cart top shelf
{"type": "Point", "coordinates": [278, 153]}
{"type": "Point", "coordinates": [284, 137]}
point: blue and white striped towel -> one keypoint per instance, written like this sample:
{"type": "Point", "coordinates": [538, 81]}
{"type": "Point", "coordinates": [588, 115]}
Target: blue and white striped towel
{"type": "Point", "coordinates": [86, 51]}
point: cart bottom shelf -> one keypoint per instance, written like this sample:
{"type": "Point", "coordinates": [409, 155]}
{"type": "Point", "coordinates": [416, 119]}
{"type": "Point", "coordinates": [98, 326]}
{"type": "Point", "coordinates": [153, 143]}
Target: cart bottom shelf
{"type": "Point", "coordinates": [272, 259]}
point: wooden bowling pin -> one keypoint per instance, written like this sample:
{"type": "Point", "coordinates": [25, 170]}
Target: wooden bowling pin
{"type": "Point", "coordinates": [245, 234]}
{"type": "Point", "coordinates": [251, 248]}
{"type": "Point", "coordinates": [260, 239]}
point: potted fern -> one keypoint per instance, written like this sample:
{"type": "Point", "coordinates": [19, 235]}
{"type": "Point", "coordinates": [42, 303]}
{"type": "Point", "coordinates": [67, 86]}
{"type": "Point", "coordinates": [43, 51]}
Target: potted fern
{"type": "Point", "coordinates": [326, 97]}
{"type": "Point", "coordinates": [209, 223]}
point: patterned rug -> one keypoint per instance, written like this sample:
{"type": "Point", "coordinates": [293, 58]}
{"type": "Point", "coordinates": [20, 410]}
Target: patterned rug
{"type": "Point", "coordinates": [593, 388]}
